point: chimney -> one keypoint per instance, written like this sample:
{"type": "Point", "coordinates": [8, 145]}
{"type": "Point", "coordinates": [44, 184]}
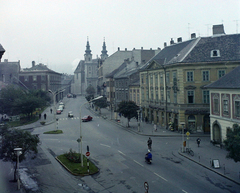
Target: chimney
{"type": "Point", "coordinates": [125, 49]}
{"type": "Point", "coordinates": [33, 63]}
{"type": "Point", "coordinates": [193, 35]}
{"type": "Point", "coordinates": [171, 42]}
{"type": "Point", "coordinates": [118, 48]}
{"type": "Point", "coordinates": [179, 40]}
{"type": "Point", "coordinates": [165, 44]}
{"type": "Point", "coordinates": [141, 48]}
{"type": "Point", "coordinates": [6, 60]}
{"type": "Point", "coordinates": [218, 29]}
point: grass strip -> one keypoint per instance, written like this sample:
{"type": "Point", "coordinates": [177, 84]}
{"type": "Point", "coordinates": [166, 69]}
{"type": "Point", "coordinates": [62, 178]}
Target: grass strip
{"type": "Point", "coordinates": [54, 132]}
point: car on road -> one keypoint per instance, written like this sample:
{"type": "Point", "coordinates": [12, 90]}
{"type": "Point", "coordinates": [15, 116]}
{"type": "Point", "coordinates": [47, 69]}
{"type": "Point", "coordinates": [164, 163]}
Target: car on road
{"type": "Point", "coordinates": [62, 104]}
{"type": "Point", "coordinates": [70, 114]}
{"type": "Point", "coordinates": [60, 107]}
{"type": "Point", "coordinates": [58, 111]}
{"type": "Point", "coordinates": [86, 118]}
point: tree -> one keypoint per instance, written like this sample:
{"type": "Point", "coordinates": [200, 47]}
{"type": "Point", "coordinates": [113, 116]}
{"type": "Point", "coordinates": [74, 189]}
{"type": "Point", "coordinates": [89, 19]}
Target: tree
{"type": "Point", "coordinates": [101, 103]}
{"type": "Point", "coordinates": [90, 90]}
{"type": "Point", "coordinates": [128, 109]}
{"type": "Point", "coordinates": [232, 143]}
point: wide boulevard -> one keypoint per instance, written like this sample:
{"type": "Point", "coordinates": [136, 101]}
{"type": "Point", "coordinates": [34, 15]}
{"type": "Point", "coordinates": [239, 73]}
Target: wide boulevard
{"type": "Point", "coordinates": [119, 155]}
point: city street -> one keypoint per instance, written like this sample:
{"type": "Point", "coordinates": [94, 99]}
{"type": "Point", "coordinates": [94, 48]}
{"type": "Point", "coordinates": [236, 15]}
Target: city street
{"type": "Point", "coordinates": [119, 154]}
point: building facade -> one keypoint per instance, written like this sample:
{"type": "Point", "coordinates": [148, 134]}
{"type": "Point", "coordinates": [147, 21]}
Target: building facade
{"type": "Point", "coordinates": [172, 83]}
{"type": "Point", "coordinates": [224, 104]}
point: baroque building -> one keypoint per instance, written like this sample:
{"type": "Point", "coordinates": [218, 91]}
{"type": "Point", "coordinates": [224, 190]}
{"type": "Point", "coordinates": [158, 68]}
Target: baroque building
{"type": "Point", "coordinates": [172, 83]}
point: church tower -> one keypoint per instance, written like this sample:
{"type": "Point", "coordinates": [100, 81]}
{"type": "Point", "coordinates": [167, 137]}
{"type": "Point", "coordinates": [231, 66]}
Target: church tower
{"type": "Point", "coordinates": [104, 54]}
{"type": "Point", "coordinates": [88, 55]}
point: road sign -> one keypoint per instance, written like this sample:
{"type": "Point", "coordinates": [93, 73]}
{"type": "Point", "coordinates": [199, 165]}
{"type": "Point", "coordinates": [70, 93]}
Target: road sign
{"type": "Point", "coordinates": [146, 185]}
{"type": "Point", "coordinates": [87, 153]}
{"type": "Point", "coordinates": [187, 133]}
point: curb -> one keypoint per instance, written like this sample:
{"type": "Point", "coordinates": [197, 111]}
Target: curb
{"type": "Point", "coordinates": [208, 168]}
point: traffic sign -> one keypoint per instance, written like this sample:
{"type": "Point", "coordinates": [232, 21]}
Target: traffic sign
{"type": "Point", "coordinates": [188, 133]}
{"type": "Point", "coordinates": [87, 153]}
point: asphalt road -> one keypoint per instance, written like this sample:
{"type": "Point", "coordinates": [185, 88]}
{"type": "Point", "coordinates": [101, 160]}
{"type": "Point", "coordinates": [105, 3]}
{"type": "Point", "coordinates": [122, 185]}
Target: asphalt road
{"type": "Point", "coordinates": [119, 153]}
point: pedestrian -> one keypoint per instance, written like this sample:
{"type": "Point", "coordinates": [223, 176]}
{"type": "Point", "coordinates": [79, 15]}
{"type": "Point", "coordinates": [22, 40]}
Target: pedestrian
{"type": "Point", "coordinates": [51, 111]}
{"type": "Point", "coordinates": [39, 115]}
{"type": "Point", "coordinates": [155, 127]}
{"type": "Point", "coordinates": [149, 142]}
{"type": "Point", "coordinates": [198, 141]}
{"type": "Point", "coordinates": [45, 116]}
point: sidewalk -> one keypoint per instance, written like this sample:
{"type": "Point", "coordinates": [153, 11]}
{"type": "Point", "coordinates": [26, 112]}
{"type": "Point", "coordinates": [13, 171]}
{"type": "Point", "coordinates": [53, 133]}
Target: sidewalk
{"type": "Point", "coordinates": [203, 155]}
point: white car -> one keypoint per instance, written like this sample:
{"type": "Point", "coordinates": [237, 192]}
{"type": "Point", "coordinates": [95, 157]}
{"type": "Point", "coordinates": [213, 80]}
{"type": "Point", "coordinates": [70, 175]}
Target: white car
{"type": "Point", "coordinates": [70, 114]}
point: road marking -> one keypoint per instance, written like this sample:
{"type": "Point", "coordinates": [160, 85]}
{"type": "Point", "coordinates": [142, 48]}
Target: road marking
{"type": "Point", "coordinates": [160, 176]}
{"type": "Point", "coordinates": [121, 152]}
{"type": "Point", "coordinates": [184, 191]}
{"type": "Point", "coordinates": [138, 163]}
{"type": "Point", "coordinates": [105, 145]}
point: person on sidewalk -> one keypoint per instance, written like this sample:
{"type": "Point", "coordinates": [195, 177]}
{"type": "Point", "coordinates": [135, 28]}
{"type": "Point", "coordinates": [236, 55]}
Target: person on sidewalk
{"type": "Point", "coordinates": [45, 116]}
{"type": "Point", "coordinates": [155, 127]}
{"type": "Point", "coordinates": [149, 142]}
{"type": "Point", "coordinates": [51, 111]}
{"type": "Point", "coordinates": [198, 141]}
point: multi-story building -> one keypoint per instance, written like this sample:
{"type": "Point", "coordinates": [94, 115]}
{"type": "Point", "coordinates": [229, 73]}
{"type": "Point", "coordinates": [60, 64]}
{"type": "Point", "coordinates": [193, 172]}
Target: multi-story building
{"type": "Point", "coordinates": [172, 83]}
{"type": "Point", "coordinates": [224, 104]}
{"type": "Point", "coordinates": [40, 77]}
{"type": "Point", "coordinates": [2, 50]}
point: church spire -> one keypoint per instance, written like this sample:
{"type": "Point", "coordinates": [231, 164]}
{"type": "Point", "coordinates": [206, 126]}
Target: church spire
{"type": "Point", "coordinates": [104, 54]}
{"type": "Point", "coordinates": [88, 55]}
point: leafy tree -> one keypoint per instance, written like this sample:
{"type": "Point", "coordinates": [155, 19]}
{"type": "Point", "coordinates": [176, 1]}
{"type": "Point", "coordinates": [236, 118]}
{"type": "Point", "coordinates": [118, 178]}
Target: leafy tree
{"type": "Point", "coordinates": [128, 109]}
{"type": "Point", "coordinates": [232, 143]}
{"type": "Point", "coordinates": [8, 96]}
{"type": "Point", "coordinates": [101, 103]}
{"type": "Point", "coordinates": [90, 90]}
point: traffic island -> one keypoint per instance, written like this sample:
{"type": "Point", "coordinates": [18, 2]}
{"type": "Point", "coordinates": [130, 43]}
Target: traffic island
{"type": "Point", "coordinates": [54, 132]}
{"type": "Point", "coordinates": [75, 168]}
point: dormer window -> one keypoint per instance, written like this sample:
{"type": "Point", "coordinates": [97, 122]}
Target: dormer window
{"type": "Point", "coordinates": [215, 53]}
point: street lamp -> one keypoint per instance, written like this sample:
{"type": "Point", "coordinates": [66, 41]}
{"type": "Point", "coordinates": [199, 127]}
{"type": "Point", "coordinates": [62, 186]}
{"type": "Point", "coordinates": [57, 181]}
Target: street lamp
{"type": "Point", "coordinates": [80, 140]}
{"type": "Point", "coordinates": [138, 111]}
{"type": "Point", "coordinates": [54, 103]}
{"type": "Point", "coordinates": [182, 123]}
{"type": "Point", "coordinates": [18, 152]}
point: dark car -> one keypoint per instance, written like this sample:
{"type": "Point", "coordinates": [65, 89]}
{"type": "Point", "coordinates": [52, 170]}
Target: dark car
{"type": "Point", "coordinates": [87, 118]}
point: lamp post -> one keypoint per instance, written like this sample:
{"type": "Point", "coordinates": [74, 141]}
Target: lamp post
{"type": "Point", "coordinates": [54, 103]}
{"type": "Point", "coordinates": [18, 152]}
{"type": "Point", "coordinates": [138, 111]}
{"type": "Point", "coordinates": [80, 139]}
{"type": "Point", "coordinates": [182, 123]}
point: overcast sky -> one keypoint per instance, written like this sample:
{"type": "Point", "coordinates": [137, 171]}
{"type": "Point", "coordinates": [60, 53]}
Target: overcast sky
{"type": "Point", "coordinates": [54, 32]}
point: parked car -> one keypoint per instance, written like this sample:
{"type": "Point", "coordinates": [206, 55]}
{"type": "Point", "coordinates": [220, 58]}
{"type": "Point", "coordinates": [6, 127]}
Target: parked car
{"type": "Point", "coordinates": [61, 104]}
{"type": "Point", "coordinates": [69, 95]}
{"type": "Point", "coordinates": [60, 107]}
{"type": "Point", "coordinates": [70, 114]}
{"type": "Point", "coordinates": [58, 111]}
{"type": "Point", "coordinates": [86, 118]}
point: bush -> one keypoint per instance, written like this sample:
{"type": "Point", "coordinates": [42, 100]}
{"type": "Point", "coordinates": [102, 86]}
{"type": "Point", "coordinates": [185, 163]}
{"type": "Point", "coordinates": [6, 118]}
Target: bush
{"type": "Point", "coordinates": [73, 156]}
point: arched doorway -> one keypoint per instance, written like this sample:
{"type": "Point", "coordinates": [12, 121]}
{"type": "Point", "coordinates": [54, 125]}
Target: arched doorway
{"type": "Point", "coordinates": [192, 123]}
{"type": "Point", "coordinates": [206, 124]}
{"type": "Point", "coordinates": [216, 136]}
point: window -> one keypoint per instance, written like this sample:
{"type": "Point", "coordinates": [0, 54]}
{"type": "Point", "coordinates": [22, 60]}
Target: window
{"type": "Point", "coordinates": [221, 73]}
{"type": "Point", "coordinates": [237, 108]}
{"type": "Point", "coordinates": [161, 78]}
{"type": "Point", "coordinates": [147, 95]}
{"type": "Point", "coordinates": [205, 75]}
{"type": "Point", "coordinates": [206, 97]}
{"type": "Point", "coordinates": [143, 98]}
{"type": "Point", "coordinates": [138, 98]}
{"type": "Point", "coordinates": [25, 78]}
{"type": "Point", "coordinates": [151, 79]}
{"type": "Point", "coordinates": [162, 96]}
{"type": "Point", "coordinates": [215, 53]}
{"type": "Point", "coordinates": [225, 106]}
{"type": "Point", "coordinates": [142, 79]}
{"type": "Point", "coordinates": [167, 78]}
{"type": "Point", "coordinates": [151, 94]}
{"type": "Point", "coordinates": [190, 96]}
{"type": "Point", "coordinates": [215, 105]}
{"type": "Point", "coordinates": [175, 97]}
{"type": "Point", "coordinates": [168, 96]}
{"type": "Point", "coordinates": [43, 78]}
{"type": "Point", "coordinates": [174, 78]}
{"type": "Point", "coordinates": [34, 78]}
{"type": "Point", "coordinates": [147, 79]}
{"type": "Point", "coordinates": [156, 80]}
{"type": "Point", "coordinates": [156, 91]}
{"type": "Point", "coordinates": [190, 76]}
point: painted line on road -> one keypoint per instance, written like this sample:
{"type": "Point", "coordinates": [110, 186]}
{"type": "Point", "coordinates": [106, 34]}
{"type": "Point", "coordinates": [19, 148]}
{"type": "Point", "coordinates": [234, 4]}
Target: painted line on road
{"type": "Point", "coordinates": [105, 145]}
{"type": "Point", "coordinates": [138, 163]}
{"type": "Point", "coordinates": [160, 176]}
{"type": "Point", "coordinates": [121, 152]}
{"type": "Point", "coordinates": [184, 191]}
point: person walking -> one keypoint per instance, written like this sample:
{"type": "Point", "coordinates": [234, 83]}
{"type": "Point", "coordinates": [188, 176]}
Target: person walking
{"type": "Point", "coordinates": [51, 111]}
{"type": "Point", "coordinates": [149, 143]}
{"type": "Point", "coordinates": [198, 141]}
{"type": "Point", "coordinates": [45, 116]}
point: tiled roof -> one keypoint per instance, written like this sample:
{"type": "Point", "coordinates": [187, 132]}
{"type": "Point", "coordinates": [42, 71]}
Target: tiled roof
{"type": "Point", "coordinates": [229, 81]}
{"type": "Point", "coordinates": [228, 46]}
